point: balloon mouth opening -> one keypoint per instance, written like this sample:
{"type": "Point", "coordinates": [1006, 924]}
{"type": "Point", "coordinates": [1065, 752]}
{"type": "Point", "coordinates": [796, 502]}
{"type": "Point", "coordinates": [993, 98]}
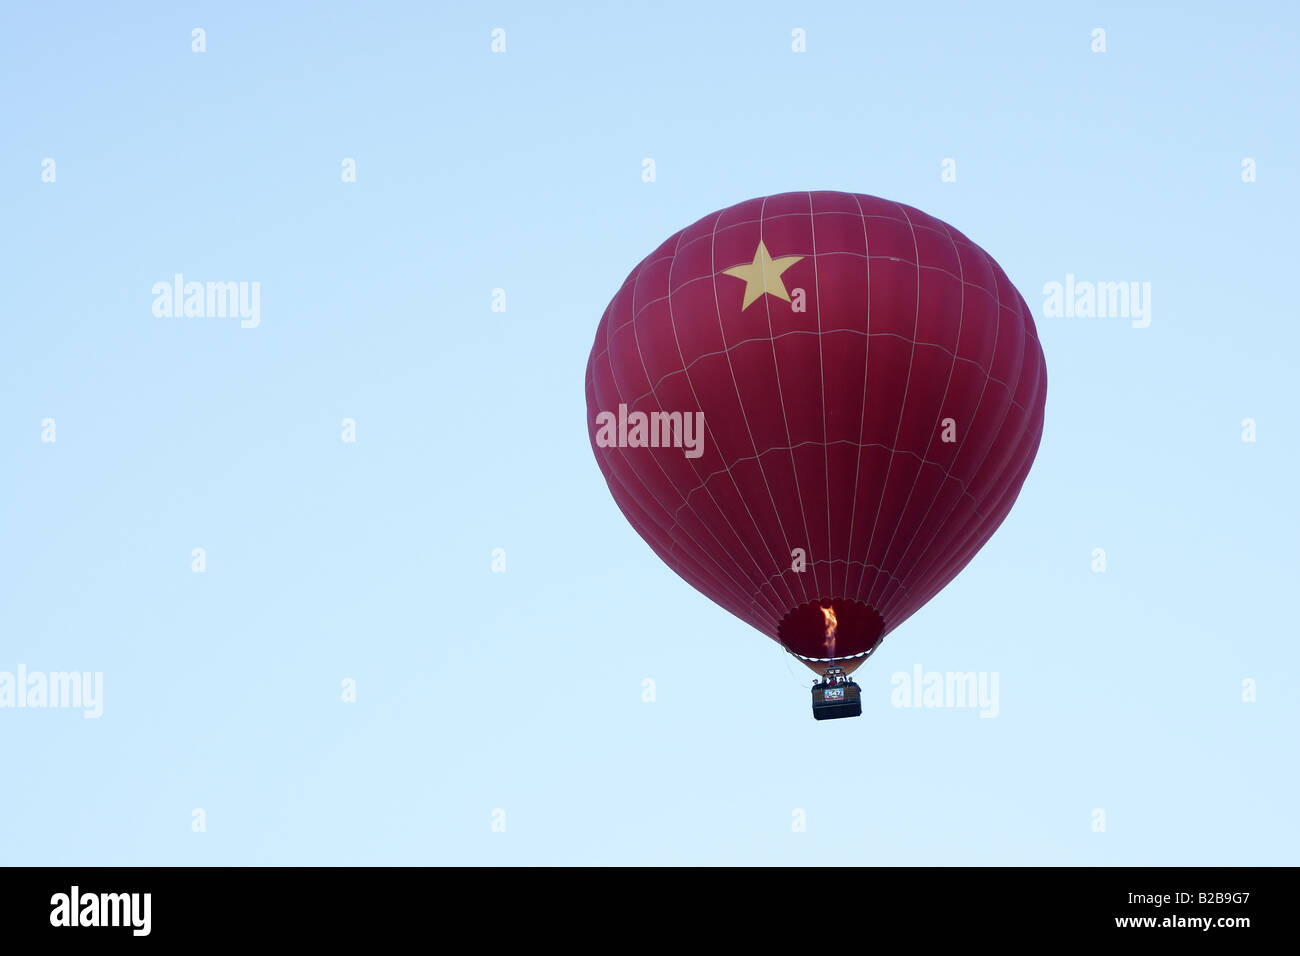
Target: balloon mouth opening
{"type": "Point", "coordinates": [832, 629]}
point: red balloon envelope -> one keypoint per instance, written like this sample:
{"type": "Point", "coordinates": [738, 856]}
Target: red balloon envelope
{"type": "Point", "coordinates": [816, 407]}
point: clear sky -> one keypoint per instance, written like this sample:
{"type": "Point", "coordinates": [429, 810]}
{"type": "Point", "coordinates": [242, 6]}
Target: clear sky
{"type": "Point", "coordinates": [1120, 691]}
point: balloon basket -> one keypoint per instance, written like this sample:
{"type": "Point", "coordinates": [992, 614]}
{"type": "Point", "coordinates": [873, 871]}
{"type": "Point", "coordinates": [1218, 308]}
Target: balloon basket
{"type": "Point", "coordinates": [836, 695]}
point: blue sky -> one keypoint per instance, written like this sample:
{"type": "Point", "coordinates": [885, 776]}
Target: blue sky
{"type": "Point", "coordinates": [522, 691]}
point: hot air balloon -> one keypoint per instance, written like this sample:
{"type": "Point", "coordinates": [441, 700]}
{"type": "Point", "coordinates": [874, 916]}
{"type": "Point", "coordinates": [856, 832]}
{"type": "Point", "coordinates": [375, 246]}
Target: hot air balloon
{"type": "Point", "coordinates": [816, 408]}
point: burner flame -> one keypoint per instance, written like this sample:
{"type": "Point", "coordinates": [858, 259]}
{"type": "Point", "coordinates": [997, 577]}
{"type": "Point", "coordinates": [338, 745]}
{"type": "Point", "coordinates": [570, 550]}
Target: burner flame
{"type": "Point", "coordinates": [831, 624]}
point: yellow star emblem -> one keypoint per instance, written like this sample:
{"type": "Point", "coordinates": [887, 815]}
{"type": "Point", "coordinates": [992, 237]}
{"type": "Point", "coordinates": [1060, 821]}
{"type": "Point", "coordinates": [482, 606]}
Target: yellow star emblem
{"type": "Point", "coordinates": [763, 275]}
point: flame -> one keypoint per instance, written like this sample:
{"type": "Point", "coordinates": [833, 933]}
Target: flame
{"type": "Point", "coordinates": [831, 624]}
